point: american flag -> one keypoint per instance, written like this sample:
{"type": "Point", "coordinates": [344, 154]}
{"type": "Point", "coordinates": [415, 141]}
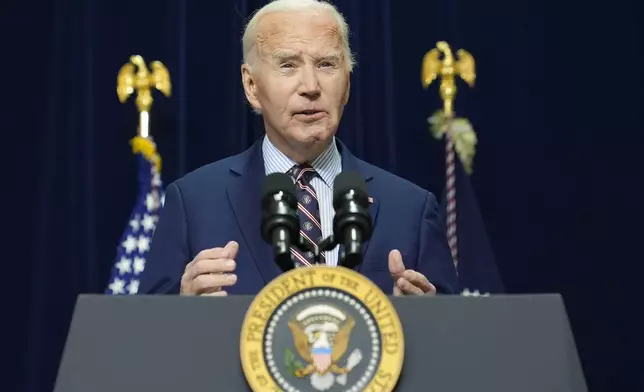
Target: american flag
{"type": "Point", "coordinates": [134, 245]}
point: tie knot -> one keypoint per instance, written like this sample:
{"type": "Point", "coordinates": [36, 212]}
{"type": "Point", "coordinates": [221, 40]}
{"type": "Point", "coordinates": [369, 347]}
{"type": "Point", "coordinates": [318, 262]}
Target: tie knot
{"type": "Point", "coordinates": [303, 171]}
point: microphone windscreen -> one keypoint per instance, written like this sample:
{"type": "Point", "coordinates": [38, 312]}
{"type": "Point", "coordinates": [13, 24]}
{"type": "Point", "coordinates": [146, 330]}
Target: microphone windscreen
{"type": "Point", "coordinates": [346, 181]}
{"type": "Point", "coordinates": [276, 182]}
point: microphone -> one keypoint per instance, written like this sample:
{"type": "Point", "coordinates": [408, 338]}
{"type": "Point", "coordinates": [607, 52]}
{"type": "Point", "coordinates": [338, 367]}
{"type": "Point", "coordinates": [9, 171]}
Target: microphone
{"type": "Point", "coordinates": [352, 220]}
{"type": "Point", "coordinates": [280, 224]}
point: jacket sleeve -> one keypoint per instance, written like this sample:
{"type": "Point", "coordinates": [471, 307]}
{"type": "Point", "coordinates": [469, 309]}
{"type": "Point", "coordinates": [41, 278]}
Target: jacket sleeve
{"type": "Point", "coordinates": [169, 251]}
{"type": "Point", "coordinates": [434, 256]}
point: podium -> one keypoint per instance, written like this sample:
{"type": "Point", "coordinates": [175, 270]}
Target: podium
{"type": "Point", "coordinates": [504, 343]}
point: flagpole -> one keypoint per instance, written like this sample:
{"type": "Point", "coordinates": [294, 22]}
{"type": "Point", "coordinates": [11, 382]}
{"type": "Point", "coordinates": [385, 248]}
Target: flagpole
{"type": "Point", "coordinates": [447, 69]}
{"type": "Point", "coordinates": [450, 190]}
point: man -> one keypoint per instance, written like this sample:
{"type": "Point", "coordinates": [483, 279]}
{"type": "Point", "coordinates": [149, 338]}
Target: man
{"type": "Point", "coordinates": [297, 64]}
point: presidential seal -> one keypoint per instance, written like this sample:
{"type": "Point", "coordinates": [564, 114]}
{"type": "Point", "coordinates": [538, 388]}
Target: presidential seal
{"type": "Point", "coordinates": [322, 329]}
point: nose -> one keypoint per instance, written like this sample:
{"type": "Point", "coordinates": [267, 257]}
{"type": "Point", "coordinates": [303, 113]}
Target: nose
{"type": "Point", "coordinates": [309, 83]}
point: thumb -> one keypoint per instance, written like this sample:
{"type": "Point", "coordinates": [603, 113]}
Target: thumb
{"type": "Point", "coordinates": [232, 247]}
{"type": "Point", "coordinates": [396, 266]}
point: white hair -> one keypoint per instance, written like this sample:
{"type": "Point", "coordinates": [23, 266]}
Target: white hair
{"type": "Point", "coordinates": [250, 32]}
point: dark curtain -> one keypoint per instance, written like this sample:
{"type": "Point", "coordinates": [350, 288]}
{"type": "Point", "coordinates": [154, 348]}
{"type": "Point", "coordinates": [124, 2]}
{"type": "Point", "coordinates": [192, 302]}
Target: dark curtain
{"type": "Point", "coordinates": [557, 107]}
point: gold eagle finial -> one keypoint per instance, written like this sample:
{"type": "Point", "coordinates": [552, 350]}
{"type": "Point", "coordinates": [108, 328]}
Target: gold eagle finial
{"type": "Point", "coordinates": [129, 80]}
{"type": "Point", "coordinates": [134, 76]}
{"type": "Point", "coordinates": [447, 70]}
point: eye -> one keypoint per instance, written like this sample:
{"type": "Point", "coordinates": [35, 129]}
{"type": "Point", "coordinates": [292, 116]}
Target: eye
{"type": "Point", "coordinates": [326, 64]}
{"type": "Point", "coordinates": [287, 65]}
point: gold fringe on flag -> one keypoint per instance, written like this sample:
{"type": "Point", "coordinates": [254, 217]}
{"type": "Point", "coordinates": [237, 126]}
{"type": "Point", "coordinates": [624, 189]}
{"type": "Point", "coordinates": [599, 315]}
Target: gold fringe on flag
{"type": "Point", "coordinates": [148, 149]}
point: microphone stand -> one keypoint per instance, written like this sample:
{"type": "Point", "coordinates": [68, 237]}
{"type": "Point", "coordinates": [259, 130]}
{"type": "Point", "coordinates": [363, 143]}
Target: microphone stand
{"type": "Point", "coordinates": [327, 244]}
{"type": "Point", "coordinates": [354, 248]}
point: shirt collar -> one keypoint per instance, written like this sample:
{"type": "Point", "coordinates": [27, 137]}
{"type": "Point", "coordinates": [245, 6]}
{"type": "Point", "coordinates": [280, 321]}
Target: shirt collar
{"type": "Point", "coordinates": [328, 164]}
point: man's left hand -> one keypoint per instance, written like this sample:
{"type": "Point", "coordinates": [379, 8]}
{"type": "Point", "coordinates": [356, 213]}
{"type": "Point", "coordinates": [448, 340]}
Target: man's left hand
{"type": "Point", "coordinates": [406, 281]}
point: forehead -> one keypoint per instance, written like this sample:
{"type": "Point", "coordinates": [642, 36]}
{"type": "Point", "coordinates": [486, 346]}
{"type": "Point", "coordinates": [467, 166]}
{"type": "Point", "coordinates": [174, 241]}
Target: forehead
{"type": "Point", "coordinates": [308, 30]}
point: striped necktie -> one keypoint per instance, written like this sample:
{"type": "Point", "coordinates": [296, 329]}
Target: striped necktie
{"type": "Point", "coordinates": [309, 212]}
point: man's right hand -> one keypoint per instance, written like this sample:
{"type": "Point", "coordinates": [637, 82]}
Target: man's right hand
{"type": "Point", "coordinates": [210, 271]}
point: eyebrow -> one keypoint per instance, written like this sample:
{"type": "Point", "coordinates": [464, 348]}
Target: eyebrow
{"type": "Point", "coordinates": [281, 55]}
{"type": "Point", "coordinates": [331, 56]}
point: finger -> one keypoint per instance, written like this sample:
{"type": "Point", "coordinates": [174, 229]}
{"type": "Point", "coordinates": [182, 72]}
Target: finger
{"type": "Point", "coordinates": [209, 283]}
{"type": "Point", "coordinates": [213, 253]}
{"type": "Point", "coordinates": [397, 292]}
{"type": "Point", "coordinates": [232, 247]}
{"type": "Point", "coordinates": [210, 266]}
{"type": "Point", "coordinates": [220, 293]}
{"type": "Point", "coordinates": [396, 266]}
{"type": "Point", "coordinates": [419, 280]}
{"type": "Point", "coordinates": [227, 252]}
{"type": "Point", "coordinates": [407, 288]}
{"type": "Point", "coordinates": [204, 267]}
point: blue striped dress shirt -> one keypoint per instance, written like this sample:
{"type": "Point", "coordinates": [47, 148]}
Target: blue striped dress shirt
{"type": "Point", "coordinates": [328, 165]}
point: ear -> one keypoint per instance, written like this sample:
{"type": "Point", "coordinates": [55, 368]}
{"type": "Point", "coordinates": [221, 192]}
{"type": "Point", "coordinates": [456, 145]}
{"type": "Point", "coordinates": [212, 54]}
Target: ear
{"type": "Point", "coordinates": [250, 87]}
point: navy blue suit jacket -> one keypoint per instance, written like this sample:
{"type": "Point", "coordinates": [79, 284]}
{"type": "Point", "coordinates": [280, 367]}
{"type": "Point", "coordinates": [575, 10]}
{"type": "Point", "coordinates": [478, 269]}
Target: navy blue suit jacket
{"type": "Point", "coordinates": [220, 202]}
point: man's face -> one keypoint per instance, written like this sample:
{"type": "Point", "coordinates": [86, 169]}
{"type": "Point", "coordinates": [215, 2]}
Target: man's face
{"type": "Point", "coordinates": [300, 79]}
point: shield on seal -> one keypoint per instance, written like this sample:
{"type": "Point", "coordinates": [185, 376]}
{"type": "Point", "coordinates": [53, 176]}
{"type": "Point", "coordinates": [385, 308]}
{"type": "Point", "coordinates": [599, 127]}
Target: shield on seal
{"type": "Point", "coordinates": [321, 358]}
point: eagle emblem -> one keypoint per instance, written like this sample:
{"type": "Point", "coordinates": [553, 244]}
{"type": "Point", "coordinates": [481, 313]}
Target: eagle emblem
{"type": "Point", "coordinates": [130, 79]}
{"type": "Point", "coordinates": [321, 336]}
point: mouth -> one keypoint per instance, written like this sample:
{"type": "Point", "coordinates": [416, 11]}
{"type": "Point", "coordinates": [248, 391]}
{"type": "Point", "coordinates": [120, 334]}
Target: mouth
{"type": "Point", "coordinates": [309, 115]}
{"type": "Point", "coordinates": [308, 112]}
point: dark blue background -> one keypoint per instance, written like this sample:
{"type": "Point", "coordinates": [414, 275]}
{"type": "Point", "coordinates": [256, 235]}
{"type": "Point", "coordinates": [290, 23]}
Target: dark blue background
{"type": "Point", "coordinates": [557, 107]}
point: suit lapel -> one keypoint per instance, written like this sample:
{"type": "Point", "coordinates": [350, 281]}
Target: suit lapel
{"type": "Point", "coordinates": [244, 196]}
{"type": "Point", "coordinates": [351, 163]}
